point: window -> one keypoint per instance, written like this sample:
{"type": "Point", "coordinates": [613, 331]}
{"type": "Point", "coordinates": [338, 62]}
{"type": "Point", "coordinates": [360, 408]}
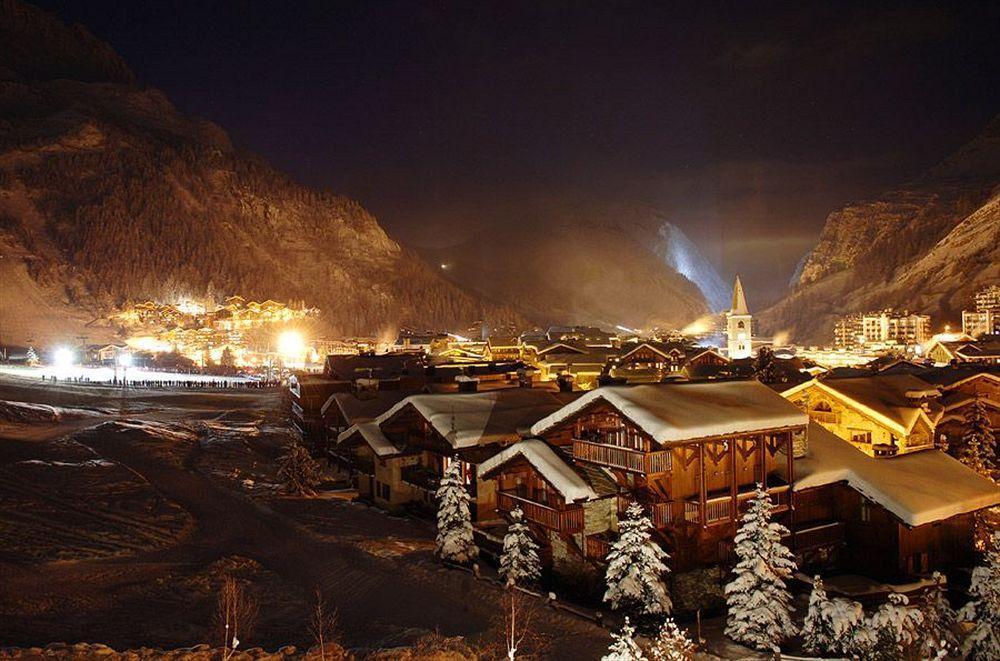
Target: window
{"type": "Point", "coordinates": [858, 436]}
{"type": "Point", "coordinates": [386, 493]}
{"type": "Point", "coordinates": [741, 325]}
{"type": "Point", "coordinates": [866, 512]}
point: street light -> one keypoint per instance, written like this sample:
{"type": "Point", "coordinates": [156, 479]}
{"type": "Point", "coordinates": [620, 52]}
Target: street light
{"type": "Point", "coordinates": [125, 360]}
{"type": "Point", "coordinates": [63, 357]}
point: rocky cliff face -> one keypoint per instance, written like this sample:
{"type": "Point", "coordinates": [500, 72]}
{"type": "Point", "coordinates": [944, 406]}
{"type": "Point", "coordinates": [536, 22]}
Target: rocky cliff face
{"type": "Point", "coordinates": [926, 246]}
{"type": "Point", "coordinates": [108, 193]}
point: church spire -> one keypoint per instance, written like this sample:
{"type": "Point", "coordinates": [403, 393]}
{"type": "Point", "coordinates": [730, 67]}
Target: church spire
{"type": "Point", "coordinates": [739, 299]}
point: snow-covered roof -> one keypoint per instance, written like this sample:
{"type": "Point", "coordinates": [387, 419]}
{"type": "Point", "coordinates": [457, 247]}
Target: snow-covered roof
{"type": "Point", "coordinates": [363, 406]}
{"type": "Point", "coordinates": [471, 419]}
{"type": "Point", "coordinates": [917, 487]}
{"type": "Point", "coordinates": [685, 411]}
{"type": "Point", "coordinates": [891, 399]}
{"type": "Point", "coordinates": [371, 434]}
{"type": "Point", "coordinates": [550, 466]}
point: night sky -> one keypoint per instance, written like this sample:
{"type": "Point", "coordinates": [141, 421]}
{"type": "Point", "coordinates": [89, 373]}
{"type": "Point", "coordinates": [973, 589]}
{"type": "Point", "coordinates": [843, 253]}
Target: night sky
{"type": "Point", "coordinates": [745, 123]}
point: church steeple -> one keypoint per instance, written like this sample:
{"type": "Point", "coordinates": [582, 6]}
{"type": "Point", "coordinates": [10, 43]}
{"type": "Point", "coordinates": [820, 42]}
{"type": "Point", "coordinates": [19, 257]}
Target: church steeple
{"type": "Point", "coordinates": [739, 299]}
{"type": "Point", "coordinates": [739, 324]}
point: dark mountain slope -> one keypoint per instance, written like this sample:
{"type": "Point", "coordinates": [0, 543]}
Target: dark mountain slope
{"type": "Point", "coordinates": [108, 193]}
{"type": "Point", "coordinates": [927, 246]}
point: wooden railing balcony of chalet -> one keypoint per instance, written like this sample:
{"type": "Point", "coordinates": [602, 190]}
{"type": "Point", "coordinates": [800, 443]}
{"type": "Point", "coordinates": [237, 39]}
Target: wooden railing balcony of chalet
{"type": "Point", "coordinates": [569, 520]}
{"type": "Point", "coordinates": [597, 548]}
{"type": "Point", "coordinates": [719, 509]}
{"type": "Point", "coordinates": [820, 535]}
{"type": "Point", "coordinates": [661, 514]}
{"type": "Point", "coordinates": [616, 456]}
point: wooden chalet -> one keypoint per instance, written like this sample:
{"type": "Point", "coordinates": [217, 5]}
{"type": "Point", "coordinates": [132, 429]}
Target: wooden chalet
{"type": "Point", "coordinates": [571, 508]}
{"type": "Point", "coordinates": [691, 453]}
{"type": "Point", "coordinates": [406, 450]}
{"type": "Point", "coordinates": [888, 519]}
{"type": "Point", "coordinates": [881, 415]}
{"type": "Point", "coordinates": [961, 387]}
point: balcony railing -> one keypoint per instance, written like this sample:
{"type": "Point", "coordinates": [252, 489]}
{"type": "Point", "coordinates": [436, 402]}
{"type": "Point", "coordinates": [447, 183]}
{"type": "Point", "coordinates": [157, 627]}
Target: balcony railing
{"type": "Point", "coordinates": [719, 509]}
{"type": "Point", "coordinates": [821, 535]}
{"type": "Point", "coordinates": [569, 520]}
{"type": "Point", "coordinates": [661, 514]}
{"type": "Point", "coordinates": [616, 456]}
{"type": "Point", "coordinates": [598, 548]}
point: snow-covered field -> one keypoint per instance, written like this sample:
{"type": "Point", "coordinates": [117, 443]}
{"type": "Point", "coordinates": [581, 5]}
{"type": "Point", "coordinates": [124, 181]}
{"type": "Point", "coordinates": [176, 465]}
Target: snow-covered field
{"type": "Point", "coordinates": [105, 374]}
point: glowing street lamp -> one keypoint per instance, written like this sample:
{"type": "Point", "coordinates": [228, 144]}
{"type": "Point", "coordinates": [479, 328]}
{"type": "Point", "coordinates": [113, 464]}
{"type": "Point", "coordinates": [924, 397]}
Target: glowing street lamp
{"type": "Point", "coordinates": [63, 357]}
{"type": "Point", "coordinates": [291, 347]}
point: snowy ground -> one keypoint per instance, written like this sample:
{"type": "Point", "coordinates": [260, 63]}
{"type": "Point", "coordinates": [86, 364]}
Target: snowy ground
{"type": "Point", "coordinates": [105, 374]}
{"type": "Point", "coordinates": [127, 518]}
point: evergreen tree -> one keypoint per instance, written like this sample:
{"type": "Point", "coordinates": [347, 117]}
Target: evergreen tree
{"type": "Point", "coordinates": [896, 627]}
{"type": "Point", "coordinates": [455, 542]}
{"type": "Point", "coordinates": [832, 626]}
{"type": "Point", "coordinates": [519, 563]}
{"type": "Point", "coordinates": [671, 644]}
{"type": "Point", "coordinates": [636, 567]}
{"type": "Point", "coordinates": [819, 630]}
{"type": "Point", "coordinates": [764, 368]}
{"type": "Point", "coordinates": [623, 646]}
{"type": "Point", "coordinates": [983, 611]}
{"type": "Point", "coordinates": [32, 357]}
{"type": "Point", "coordinates": [298, 470]}
{"type": "Point", "coordinates": [978, 449]}
{"type": "Point", "coordinates": [939, 639]}
{"type": "Point", "coordinates": [757, 598]}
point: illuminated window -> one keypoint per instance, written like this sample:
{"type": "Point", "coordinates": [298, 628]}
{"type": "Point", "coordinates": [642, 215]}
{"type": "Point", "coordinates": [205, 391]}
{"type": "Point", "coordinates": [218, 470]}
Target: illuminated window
{"type": "Point", "coordinates": [866, 512]}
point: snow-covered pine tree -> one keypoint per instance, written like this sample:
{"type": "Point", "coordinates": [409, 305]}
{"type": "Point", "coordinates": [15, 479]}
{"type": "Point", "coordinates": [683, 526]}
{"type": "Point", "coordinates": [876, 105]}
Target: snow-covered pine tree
{"type": "Point", "coordinates": [623, 646]}
{"type": "Point", "coordinates": [671, 643]}
{"type": "Point", "coordinates": [32, 357]}
{"type": "Point", "coordinates": [834, 627]}
{"type": "Point", "coordinates": [298, 470]}
{"type": "Point", "coordinates": [519, 563]}
{"type": "Point", "coordinates": [978, 448]}
{"type": "Point", "coordinates": [455, 541]}
{"type": "Point", "coordinates": [758, 600]}
{"type": "Point", "coordinates": [983, 611]}
{"type": "Point", "coordinates": [636, 565]}
{"type": "Point", "coordinates": [896, 627]}
{"type": "Point", "coordinates": [819, 630]}
{"type": "Point", "coordinates": [938, 640]}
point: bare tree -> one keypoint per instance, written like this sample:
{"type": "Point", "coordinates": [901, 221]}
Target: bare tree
{"type": "Point", "coordinates": [516, 636]}
{"type": "Point", "coordinates": [323, 625]}
{"type": "Point", "coordinates": [235, 615]}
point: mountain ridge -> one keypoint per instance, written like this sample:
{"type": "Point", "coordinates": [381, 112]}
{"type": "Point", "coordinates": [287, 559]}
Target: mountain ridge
{"type": "Point", "coordinates": [874, 253]}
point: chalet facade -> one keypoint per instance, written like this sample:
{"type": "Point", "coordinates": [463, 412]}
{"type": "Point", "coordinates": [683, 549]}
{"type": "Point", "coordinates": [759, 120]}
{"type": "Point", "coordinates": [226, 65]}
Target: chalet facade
{"type": "Point", "coordinates": [690, 453]}
{"type": "Point", "coordinates": [889, 519]}
{"type": "Point", "coordinates": [881, 415]}
{"type": "Point", "coordinates": [961, 388]}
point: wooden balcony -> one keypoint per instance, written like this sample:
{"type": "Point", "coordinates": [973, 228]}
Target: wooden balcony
{"type": "Point", "coordinates": [598, 548]}
{"type": "Point", "coordinates": [825, 534]}
{"type": "Point", "coordinates": [719, 508]}
{"type": "Point", "coordinates": [661, 514]}
{"type": "Point", "coordinates": [569, 520]}
{"type": "Point", "coordinates": [616, 456]}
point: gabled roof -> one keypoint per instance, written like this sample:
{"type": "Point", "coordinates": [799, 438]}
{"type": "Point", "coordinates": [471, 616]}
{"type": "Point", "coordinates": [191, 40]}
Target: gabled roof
{"type": "Point", "coordinates": [552, 467]}
{"type": "Point", "coordinates": [370, 433]}
{"type": "Point", "coordinates": [677, 412]}
{"type": "Point", "coordinates": [468, 420]}
{"type": "Point", "coordinates": [361, 407]}
{"type": "Point", "coordinates": [563, 346]}
{"type": "Point", "coordinates": [918, 487]}
{"type": "Point", "coordinates": [662, 348]}
{"type": "Point", "coordinates": [953, 376]}
{"type": "Point", "coordinates": [889, 399]}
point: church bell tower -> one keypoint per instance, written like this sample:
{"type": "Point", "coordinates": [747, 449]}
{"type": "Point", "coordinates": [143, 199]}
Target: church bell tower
{"type": "Point", "coordinates": [739, 324]}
